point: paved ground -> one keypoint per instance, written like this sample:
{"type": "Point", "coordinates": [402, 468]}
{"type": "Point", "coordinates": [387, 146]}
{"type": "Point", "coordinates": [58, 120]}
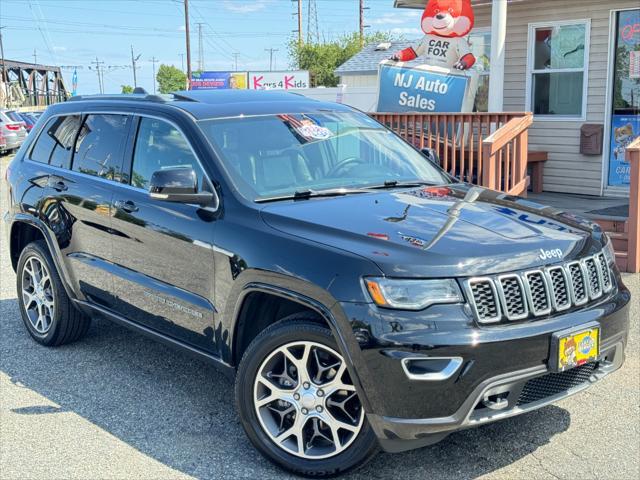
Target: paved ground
{"type": "Point", "coordinates": [117, 405]}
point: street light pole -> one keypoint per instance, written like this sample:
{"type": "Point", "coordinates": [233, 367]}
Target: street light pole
{"type": "Point", "coordinates": [186, 30]}
{"type": "Point", "coordinates": [154, 60]}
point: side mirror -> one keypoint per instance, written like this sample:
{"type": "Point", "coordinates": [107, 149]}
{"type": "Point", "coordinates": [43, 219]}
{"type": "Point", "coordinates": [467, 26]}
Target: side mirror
{"type": "Point", "coordinates": [431, 155]}
{"type": "Point", "coordinates": [178, 184]}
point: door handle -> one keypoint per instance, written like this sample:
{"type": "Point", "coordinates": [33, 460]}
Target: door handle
{"type": "Point", "coordinates": [126, 205]}
{"type": "Point", "coordinates": [57, 184]}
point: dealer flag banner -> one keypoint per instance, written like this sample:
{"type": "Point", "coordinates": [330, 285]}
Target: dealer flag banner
{"type": "Point", "coordinates": [424, 89]}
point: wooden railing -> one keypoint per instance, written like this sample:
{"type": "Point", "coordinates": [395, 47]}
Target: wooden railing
{"type": "Point", "coordinates": [488, 149]}
{"type": "Point", "coordinates": [505, 157]}
{"type": "Point", "coordinates": [633, 256]}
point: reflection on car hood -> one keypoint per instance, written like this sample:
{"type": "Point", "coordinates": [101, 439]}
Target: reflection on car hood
{"type": "Point", "coordinates": [456, 230]}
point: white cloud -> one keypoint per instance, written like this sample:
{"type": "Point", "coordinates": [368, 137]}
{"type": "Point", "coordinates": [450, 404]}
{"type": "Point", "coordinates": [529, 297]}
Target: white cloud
{"type": "Point", "coordinates": [406, 31]}
{"type": "Point", "coordinates": [396, 18]}
{"type": "Point", "coordinates": [59, 48]}
{"type": "Point", "coordinates": [237, 6]}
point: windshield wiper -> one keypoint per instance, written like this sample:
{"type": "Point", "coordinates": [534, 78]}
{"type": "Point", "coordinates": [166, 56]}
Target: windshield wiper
{"type": "Point", "coordinates": [409, 184]}
{"type": "Point", "coordinates": [310, 193]}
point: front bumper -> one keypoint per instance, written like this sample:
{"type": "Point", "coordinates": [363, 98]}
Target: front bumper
{"type": "Point", "coordinates": [507, 362]}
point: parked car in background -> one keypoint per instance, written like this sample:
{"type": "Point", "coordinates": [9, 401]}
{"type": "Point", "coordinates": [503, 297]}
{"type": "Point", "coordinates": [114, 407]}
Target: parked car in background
{"type": "Point", "coordinates": [3, 142]}
{"type": "Point", "coordinates": [14, 132]}
{"type": "Point", "coordinates": [23, 117]}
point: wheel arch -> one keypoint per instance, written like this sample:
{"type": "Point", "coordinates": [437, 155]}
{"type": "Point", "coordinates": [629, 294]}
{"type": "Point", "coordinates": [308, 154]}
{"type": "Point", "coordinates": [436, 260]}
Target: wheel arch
{"type": "Point", "coordinates": [326, 314]}
{"type": "Point", "coordinates": [25, 229]}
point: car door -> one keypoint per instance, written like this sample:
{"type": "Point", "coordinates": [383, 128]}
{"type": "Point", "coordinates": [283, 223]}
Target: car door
{"type": "Point", "coordinates": [84, 154]}
{"type": "Point", "coordinates": [163, 250]}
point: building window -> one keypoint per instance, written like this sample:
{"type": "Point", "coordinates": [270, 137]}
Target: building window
{"type": "Point", "coordinates": [557, 66]}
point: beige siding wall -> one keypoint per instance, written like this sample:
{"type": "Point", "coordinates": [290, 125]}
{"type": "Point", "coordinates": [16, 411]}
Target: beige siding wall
{"type": "Point", "coordinates": [360, 80]}
{"type": "Point", "coordinates": [567, 170]}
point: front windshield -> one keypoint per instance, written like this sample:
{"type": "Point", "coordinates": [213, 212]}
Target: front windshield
{"type": "Point", "coordinates": [278, 155]}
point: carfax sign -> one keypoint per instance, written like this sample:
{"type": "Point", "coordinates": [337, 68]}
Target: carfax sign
{"type": "Point", "coordinates": [405, 89]}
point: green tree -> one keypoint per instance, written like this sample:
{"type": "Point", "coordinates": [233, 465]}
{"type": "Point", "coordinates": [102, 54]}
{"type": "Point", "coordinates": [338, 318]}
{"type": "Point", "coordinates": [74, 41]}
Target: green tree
{"type": "Point", "coordinates": [170, 79]}
{"type": "Point", "coordinates": [321, 59]}
{"type": "Point", "coordinates": [127, 89]}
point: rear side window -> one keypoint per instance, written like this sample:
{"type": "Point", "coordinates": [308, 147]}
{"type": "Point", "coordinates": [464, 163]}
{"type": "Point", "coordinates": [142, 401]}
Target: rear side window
{"type": "Point", "coordinates": [159, 145]}
{"type": "Point", "coordinates": [100, 144]}
{"type": "Point", "coordinates": [55, 144]}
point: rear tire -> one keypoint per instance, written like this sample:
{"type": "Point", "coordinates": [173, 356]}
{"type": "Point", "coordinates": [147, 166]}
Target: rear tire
{"type": "Point", "coordinates": [47, 311]}
{"type": "Point", "coordinates": [329, 431]}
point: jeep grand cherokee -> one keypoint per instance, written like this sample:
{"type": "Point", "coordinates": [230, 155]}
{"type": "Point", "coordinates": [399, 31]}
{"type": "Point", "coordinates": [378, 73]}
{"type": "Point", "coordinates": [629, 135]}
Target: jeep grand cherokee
{"type": "Point", "coordinates": [360, 296]}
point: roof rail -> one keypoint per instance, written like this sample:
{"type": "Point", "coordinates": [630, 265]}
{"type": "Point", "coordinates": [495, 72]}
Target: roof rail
{"type": "Point", "coordinates": [122, 96]}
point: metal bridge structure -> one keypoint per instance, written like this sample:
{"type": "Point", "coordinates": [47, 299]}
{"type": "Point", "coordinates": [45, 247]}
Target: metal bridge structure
{"type": "Point", "coordinates": [24, 84]}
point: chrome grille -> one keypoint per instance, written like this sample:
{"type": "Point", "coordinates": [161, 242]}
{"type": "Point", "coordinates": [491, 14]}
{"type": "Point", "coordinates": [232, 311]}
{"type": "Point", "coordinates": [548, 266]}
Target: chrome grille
{"type": "Point", "coordinates": [542, 292]}
{"type": "Point", "coordinates": [513, 295]}
{"type": "Point", "coordinates": [560, 288]}
{"type": "Point", "coordinates": [538, 293]}
{"type": "Point", "coordinates": [606, 273]}
{"type": "Point", "coordinates": [580, 294]}
{"type": "Point", "coordinates": [485, 300]}
{"type": "Point", "coordinates": [593, 277]}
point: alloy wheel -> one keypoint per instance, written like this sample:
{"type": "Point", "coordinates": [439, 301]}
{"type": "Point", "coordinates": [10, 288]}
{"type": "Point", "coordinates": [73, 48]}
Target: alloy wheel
{"type": "Point", "coordinates": [37, 294]}
{"type": "Point", "coordinates": [306, 402]}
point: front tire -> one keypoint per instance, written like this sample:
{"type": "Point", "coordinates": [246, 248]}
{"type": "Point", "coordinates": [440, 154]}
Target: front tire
{"type": "Point", "coordinates": [47, 312]}
{"type": "Point", "coordinates": [298, 404]}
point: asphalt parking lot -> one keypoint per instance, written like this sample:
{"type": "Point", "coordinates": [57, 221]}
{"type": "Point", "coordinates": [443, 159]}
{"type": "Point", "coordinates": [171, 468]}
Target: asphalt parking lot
{"type": "Point", "coordinates": [117, 405]}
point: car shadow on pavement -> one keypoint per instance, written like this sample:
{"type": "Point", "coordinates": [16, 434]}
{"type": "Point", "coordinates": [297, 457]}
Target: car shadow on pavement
{"type": "Point", "coordinates": [180, 411]}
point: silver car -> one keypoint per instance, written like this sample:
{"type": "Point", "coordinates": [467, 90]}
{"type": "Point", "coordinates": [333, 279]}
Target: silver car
{"type": "Point", "coordinates": [14, 132]}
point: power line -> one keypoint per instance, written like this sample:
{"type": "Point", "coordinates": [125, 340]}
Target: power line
{"type": "Point", "coordinates": [361, 23]}
{"type": "Point", "coordinates": [235, 61]}
{"type": "Point", "coordinates": [200, 49]}
{"type": "Point", "coordinates": [186, 29]}
{"type": "Point", "coordinates": [98, 65]}
{"type": "Point", "coordinates": [134, 67]}
{"type": "Point", "coordinates": [271, 52]}
{"type": "Point", "coordinates": [299, 15]}
{"type": "Point", "coordinates": [154, 60]}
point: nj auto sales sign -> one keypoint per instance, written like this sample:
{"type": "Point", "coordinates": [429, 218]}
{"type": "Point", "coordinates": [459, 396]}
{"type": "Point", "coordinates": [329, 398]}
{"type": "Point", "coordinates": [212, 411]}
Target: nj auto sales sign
{"type": "Point", "coordinates": [278, 80]}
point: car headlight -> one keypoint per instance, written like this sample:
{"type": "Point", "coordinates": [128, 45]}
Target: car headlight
{"type": "Point", "coordinates": [412, 294]}
{"type": "Point", "coordinates": [609, 252]}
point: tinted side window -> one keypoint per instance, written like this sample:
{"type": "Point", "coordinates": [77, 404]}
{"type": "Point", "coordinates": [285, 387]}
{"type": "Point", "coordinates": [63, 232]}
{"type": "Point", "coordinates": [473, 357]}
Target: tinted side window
{"type": "Point", "coordinates": [159, 145]}
{"type": "Point", "coordinates": [55, 143]}
{"type": "Point", "coordinates": [99, 146]}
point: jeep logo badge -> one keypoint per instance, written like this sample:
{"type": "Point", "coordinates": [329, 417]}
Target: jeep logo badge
{"type": "Point", "coordinates": [549, 254]}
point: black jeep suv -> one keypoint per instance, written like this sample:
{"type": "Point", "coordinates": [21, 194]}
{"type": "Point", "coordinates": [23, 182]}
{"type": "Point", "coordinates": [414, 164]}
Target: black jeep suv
{"type": "Point", "coordinates": [360, 296]}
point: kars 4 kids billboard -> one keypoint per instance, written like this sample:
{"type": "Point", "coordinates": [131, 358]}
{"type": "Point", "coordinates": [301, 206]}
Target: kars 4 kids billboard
{"type": "Point", "coordinates": [278, 80]}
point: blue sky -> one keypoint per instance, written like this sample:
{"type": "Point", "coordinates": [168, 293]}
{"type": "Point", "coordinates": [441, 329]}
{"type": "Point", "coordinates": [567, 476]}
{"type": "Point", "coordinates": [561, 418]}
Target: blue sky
{"type": "Point", "coordinates": [74, 32]}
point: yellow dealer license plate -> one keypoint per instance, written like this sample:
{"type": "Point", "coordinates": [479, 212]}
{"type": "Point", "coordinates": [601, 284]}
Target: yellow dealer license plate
{"type": "Point", "coordinates": [577, 348]}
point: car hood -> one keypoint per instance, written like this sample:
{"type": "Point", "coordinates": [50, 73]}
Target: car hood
{"type": "Point", "coordinates": [456, 230]}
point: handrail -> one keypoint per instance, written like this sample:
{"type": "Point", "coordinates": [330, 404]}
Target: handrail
{"type": "Point", "coordinates": [633, 256]}
{"type": "Point", "coordinates": [505, 156]}
{"type": "Point", "coordinates": [458, 139]}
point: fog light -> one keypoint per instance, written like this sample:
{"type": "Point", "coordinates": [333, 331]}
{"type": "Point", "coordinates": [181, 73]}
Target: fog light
{"type": "Point", "coordinates": [431, 368]}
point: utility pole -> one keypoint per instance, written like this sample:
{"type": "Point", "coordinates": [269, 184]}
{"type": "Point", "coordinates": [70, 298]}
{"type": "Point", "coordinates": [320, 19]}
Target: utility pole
{"type": "Point", "coordinates": [5, 74]}
{"type": "Point", "coordinates": [181, 55]}
{"type": "Point", "coordinates": [186, 29]}
{"type": "Point", "coordinates": [235, 61]}
{"type": "Point", "coordinates": [154, 60]}
{"type": "Point", "coordinates": [362, 25]}
{"type": "Point", "coordinates": [271, 52]}
{"type": "Point", "coordinates": [200, 50]}
{"type": "Point", "coordinates": [299, 15]}
{"type": "Point", "coordinates": [98, 65]}
{"type": "Point", "coordinates": [134, 67]}
{"type": "Point", "coordinates": [35, 57]}
{"type": "Point", "coordinates": [313, 34]}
